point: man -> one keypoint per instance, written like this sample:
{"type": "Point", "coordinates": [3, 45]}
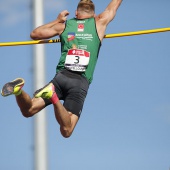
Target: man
{"type": "Point", "coordinates": [81, 39]}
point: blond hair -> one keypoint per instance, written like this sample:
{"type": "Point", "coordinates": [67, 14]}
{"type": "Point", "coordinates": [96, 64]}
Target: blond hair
{"type": "Point", "coordinates": [86, 6]}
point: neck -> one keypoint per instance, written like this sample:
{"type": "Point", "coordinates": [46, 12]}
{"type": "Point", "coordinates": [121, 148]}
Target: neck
{"type": "Point", "coordinates": [83, 17]}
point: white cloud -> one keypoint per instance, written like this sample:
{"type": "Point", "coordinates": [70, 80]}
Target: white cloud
{"type": "Point", "coordinates": [15, 18]}
{"type": "Point", "coordinates": [16, 11]}
{"type": "Point", "coordinates": [13, 12]}
{"type": "Point", "coordinates": [54, 4]}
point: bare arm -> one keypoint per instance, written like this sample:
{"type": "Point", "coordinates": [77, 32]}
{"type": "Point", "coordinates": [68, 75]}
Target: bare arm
{"type": "Point", "coordinates": [103, 19]}
{"type": "Point", "coordinates": [51, 29]}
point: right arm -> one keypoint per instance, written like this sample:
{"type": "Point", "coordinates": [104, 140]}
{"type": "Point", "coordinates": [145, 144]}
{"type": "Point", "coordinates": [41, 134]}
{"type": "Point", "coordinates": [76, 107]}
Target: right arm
{"type": "Point", "coordinates": [51, 29]}
{"type": "Point", "coordinates": [103, 19]}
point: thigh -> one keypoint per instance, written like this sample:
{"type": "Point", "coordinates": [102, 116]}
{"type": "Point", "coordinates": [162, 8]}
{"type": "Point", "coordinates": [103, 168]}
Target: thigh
{"type": "Point", "coordinates": [76, 93]}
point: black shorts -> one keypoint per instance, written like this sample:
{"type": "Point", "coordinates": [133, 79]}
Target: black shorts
{"type": "Point", "coordinates": [71, 87]}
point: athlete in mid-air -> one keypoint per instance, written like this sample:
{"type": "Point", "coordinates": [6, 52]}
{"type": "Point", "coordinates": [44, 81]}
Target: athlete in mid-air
{"type": "Point", "coordinates": [81, 39]}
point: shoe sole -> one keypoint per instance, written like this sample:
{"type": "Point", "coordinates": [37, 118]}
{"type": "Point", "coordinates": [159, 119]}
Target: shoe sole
{"type": "Point", "coordinates": [8, 88]}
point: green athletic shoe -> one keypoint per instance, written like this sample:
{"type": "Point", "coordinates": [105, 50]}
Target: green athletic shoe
{"type": "Point", "coordinates": [45, 92]}
{"type": "Point", "coordinates": [13, 87]}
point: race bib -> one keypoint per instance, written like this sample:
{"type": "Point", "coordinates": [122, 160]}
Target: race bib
{"type": "Point", "coordinates": [77, 60]}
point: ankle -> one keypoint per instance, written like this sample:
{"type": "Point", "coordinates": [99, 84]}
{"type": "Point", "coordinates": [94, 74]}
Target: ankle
{"type": "Point", "coordinates": [18, 93]}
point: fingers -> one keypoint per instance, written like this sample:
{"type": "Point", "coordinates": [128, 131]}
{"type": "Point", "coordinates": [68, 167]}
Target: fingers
{"type": "Point", "coordinates": [62, 17]}
{"type": "Point", "coordinates": [65, 13]}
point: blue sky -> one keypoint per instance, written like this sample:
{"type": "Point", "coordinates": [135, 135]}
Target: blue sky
{"type": "Point", "coordinates": [125, 122]}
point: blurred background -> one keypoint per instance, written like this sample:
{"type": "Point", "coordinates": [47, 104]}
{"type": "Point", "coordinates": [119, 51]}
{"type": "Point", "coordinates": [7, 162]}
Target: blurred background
{"type": "Point", "coordinates": [125, 123]}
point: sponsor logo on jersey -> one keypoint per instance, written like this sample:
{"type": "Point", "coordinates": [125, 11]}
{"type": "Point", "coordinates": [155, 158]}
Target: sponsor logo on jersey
{"type": "Point", "coordinates": [71, 36]}
{"type": "Point", "coordinates": [81, 21]}
{"type": "Point", "coordinates": [80, 27]}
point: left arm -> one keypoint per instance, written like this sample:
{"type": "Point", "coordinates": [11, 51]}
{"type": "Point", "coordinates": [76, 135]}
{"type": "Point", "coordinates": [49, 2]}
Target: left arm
{"type": "Point", "coordinates": [51, 29]}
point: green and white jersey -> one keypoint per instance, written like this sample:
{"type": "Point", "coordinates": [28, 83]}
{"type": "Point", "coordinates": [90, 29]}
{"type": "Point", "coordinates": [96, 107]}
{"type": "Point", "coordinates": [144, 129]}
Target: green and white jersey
{"type": "Point", "coordinates": [80, 46]}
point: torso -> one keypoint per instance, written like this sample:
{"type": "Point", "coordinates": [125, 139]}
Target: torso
{"type": "Point", "coordinates": [80, 46]}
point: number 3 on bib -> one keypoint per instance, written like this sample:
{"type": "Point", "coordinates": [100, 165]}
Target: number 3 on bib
{"type": "Point", "coordinates": [77, 60]}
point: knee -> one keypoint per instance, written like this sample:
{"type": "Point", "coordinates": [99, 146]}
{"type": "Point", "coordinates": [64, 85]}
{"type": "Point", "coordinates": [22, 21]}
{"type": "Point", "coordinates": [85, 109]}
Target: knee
{"type": "Point", "coordinates": [27, 113]}
{"type": "Point", "coordinates": [66, 132]}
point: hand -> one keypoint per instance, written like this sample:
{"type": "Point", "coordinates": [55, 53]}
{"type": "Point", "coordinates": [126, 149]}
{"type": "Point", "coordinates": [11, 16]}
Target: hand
{"type": "Point", "coordinates": [62, 17]}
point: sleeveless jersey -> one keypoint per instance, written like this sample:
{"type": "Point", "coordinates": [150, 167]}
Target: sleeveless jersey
{"type": "Point", "coordinates": [80, 46]}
